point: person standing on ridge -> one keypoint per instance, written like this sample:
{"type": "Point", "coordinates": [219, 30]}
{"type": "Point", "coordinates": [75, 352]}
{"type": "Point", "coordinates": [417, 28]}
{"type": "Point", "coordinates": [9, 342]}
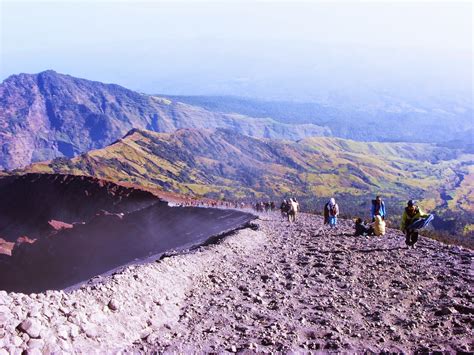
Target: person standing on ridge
{"type": "Point", "coordinates": [331, 211]}
{"type": "Point", "coordinates": [378, 208]}
{"type": "Point", "coordinates": [413, 219]}
{"type": "Point", "coordinates": [284, 208]}
{"type": "Point", "coordinates": [293, 210]}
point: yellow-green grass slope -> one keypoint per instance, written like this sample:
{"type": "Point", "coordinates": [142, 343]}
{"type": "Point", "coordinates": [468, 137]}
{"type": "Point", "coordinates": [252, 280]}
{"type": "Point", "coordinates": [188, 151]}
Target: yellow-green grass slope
{"type": "Point", "coordinates": [224, 164]}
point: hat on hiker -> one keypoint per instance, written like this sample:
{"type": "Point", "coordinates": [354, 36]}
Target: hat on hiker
{"type": "Point", "coordinates": [411, 203]}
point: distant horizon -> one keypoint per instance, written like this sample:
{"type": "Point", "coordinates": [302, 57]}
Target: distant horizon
{"type": "Point", "coordinates": [276, 50]}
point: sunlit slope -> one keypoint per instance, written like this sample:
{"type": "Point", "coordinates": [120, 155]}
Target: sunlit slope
{"type": "Point", "coordinates": [224, 164]}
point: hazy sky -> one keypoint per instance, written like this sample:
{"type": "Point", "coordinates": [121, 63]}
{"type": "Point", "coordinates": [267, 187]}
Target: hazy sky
{"type": "Point", "coordinates": [238, 47]}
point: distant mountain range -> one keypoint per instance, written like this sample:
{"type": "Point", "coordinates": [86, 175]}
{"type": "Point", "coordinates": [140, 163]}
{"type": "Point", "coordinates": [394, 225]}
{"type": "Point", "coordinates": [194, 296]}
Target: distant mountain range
{"type": "Point", "coordinates": [220, 151]}
{"type": "Point", "coordinates": [447, 124]}
{"type": "Point", "coordinates": [223, 164]}
{"type": "Point", "coordinates": [48, 115]}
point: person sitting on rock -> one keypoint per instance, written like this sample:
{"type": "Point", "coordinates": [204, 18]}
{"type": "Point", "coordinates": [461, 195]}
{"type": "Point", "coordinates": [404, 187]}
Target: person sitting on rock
{"type": "Point", "coordinates": [378, 208]}
{"type": "Point", "coordinates": [331, 210]}
{"type": "Point", "coordinates": [362, 229]}
{"type": "Point", "coordinates": [413, 219]}
{"type": "Point", "coordinates": [379, 226]}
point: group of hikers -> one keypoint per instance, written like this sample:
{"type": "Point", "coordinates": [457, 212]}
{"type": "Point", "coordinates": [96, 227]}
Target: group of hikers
{"type": "Point", "coordinates": [289, 209]}
{"type": "Point", "coordinates": [413, 218]}
{"type": "Point", "coordinates": [268, 206]}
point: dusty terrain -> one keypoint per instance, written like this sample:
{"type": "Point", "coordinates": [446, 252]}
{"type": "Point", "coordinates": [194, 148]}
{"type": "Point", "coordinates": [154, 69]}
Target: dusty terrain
{"type": "Point", "coordinates": [279, 288]}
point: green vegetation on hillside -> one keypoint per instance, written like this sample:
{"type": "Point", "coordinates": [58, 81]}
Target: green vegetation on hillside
{"type": "Point", "coordinates": [223, 164]}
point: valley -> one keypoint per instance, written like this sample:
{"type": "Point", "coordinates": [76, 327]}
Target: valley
{"type": "Point", "coordinates": [224, 165]}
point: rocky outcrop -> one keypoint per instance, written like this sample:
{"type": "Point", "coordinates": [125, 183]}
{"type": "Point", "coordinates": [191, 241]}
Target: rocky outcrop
{"type": "Point", "coordinates": [49, 115]}
{"type": "Point", "coordinates": [287, 288]}
{"type": "Point", "coordinates": [6, 247]}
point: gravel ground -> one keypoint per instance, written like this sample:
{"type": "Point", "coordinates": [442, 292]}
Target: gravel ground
{"type": "Point", "coordinates": [282, 287]}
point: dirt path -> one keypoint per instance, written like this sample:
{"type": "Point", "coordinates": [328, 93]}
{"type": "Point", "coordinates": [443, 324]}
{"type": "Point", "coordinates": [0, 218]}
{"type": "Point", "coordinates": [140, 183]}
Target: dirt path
{"type": "Point", "coordinates": [280, 288]}
{"type": "Point", "coordinates": [311, 288]}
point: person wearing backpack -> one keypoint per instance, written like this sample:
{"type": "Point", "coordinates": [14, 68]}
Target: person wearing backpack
{"type": "Point", "coordinates": [284, 208]}
{"type": "Point", "coordinates": [379, 226]}
{"type": "Point", "coordinates": [294, 207]}
{"type": "Point", "coordinates": [332, 212]}
{"type": "Point", "coordinates": [378, 208]}
{"type": "Point", "coordinates": [413, 219]}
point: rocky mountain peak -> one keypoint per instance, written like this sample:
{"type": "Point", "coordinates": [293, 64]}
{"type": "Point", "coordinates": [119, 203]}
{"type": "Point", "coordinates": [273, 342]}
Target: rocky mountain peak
{"type": "Point", "coordinates": [49, 115]}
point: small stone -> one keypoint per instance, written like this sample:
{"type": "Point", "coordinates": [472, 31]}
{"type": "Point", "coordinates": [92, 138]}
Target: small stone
{"type": "Point", "coordinates": [113, 305]}
{"type": "Point", "coordinates": [145, 333]}
{"type": "Point", "coordinates": [64, 345]}
{"type": "Point", "coordinates": [35, 344]}
{"type": "Point", "coordinates": [74, 331]}
{"type": "Point", "coordinates": [17, 341]}
{"type": "Point", "coordinates": [445, 311]}
{"type": "Point", "coordinates": [90, 330]}
{"type": "Point", "coordinates": [31, 326]}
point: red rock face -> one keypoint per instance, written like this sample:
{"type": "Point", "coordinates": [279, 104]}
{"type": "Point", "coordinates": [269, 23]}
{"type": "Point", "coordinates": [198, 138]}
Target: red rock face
{"type": "Point", "coordinates": [6, 248]}
{"type": "Point", "coordinates": [58, 225]}
{"type": "Point", "coordinates": [25, 239]}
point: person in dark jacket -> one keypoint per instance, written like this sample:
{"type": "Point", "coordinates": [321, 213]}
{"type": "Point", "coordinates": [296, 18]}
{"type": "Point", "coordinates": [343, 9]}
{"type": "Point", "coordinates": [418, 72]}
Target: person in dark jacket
{"type": "Point", "coordinates": [362, 229]}
{"type": "Point", "coordinates": [284, 208]}
{"type": "Point", "coordinates": [413, 219]}
{"type": "Point", "coordinates": [378, 208]}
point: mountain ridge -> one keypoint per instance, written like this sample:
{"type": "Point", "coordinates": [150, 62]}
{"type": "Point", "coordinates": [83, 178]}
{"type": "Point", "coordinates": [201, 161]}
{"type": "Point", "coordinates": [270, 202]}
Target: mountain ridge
{"type": "Point", "coordinates": [222, 164]}
{"type": "Point", "coordinates": [426, 122]}
{"type": "Point", "coordinates": [49, 115]}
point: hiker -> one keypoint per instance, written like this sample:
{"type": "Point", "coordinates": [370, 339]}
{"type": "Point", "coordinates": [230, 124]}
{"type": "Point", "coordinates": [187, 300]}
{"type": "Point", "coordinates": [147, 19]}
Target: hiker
{"type": "Point", "coordinates": [293, 210]}
{"type": "Point", "coordinates": [378, 208]}
{"type": "Point", "coordinates": [331, 211]}
{"type": "Point", "coordinates": [284, 208]}
{"type": "Point", "coordinates": [272, 206]}
{"type": "Point", "coordinates": [413, 219]}
{"type": "Point", "coordinates": [379, 226]}
{"type": "Point", "coordinates": [362, 229]}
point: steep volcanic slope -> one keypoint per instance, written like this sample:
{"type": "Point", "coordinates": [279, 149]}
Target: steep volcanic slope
{"type": "Point", "coordinates": [30, 202]}
{"type": "Point", "coordinates": [49, 115]}
{"type": "Point", "coordinates": [58, 230]}
{"type": "Point", "coordinates": [283, 288]}
{"type": "Point", "coordinates": [110, 241]}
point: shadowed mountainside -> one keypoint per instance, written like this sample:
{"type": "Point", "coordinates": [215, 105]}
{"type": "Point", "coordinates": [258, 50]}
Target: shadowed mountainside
{"type": "Point", "coordinates": [48, 115]}
{"type": "Point", "coordinates": [30, 202]}
{"type": "Point", "coordinates": [59, 230]}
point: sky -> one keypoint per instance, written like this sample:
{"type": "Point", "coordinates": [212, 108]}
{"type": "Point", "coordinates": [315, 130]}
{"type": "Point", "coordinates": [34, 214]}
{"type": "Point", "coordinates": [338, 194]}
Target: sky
{"type": "Point", "coordinates": [268, 49]}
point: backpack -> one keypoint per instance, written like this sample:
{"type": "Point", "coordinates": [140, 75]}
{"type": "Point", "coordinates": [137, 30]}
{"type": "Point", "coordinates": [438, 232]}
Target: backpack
{"type": "Point", "coordinates": [293, 207]}
{"type": "Point", "coordinates": [326, 213]}
{"type": "Point", "coordinates": [333, 210]}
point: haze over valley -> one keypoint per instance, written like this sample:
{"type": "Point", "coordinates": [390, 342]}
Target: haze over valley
{"type": "Point", "coordinates": [192, 176]}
